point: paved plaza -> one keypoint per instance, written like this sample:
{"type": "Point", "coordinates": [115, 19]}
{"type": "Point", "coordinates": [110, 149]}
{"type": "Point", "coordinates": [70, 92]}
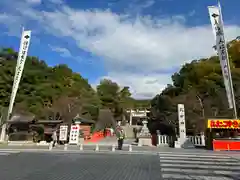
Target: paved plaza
{"type": "Point", "coordinates": [50, 165]}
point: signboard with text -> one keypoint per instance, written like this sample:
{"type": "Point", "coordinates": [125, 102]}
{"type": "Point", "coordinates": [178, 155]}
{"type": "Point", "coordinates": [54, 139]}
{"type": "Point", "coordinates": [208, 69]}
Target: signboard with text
{"type": "Point", "coordinates": [63, 133]}
{"type": "Point", "coordinates": [139, 114]}
{"type": "Point", "coordinates": [224, 123]}
{"type": "Point", "coordinates": [74, 134]}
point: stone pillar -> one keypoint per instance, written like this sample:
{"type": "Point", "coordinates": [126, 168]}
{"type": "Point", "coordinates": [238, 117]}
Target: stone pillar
{"type": "Point", "coordinates": [203, 139]}
{"type": "Point", "coordinates": [3, 132]}
{"type": "Point", "coordinates": [181, 119]}
{"type": "Point", "coordinates": [130, 117]}
{"type": "Point", "coordinates": [158, 137]}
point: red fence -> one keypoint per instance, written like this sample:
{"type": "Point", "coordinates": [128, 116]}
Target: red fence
{"type": "Point", "coordinates": [226, 145]}
{"type": "Point", "coordinates": [97, 136]}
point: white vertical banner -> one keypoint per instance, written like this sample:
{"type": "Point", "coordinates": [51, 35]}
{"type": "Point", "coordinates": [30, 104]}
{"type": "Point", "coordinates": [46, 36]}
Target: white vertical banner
{"type": "Point", "coordinates": [221, 47]}
{"type": "Point", "coordinates": [20, 48]}
{"type": "Point", "coordinates": [181, 120]}
{"type": "Point", "coordinates": [22, 55]}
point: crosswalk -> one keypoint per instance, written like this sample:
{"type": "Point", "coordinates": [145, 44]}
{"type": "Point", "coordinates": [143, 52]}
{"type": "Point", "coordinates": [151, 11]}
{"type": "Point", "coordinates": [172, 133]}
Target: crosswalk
{"type": "Point", "coordinates": [205, 166]}
{"type": "Point", "coordinates": [4, 153]}
{"type": "Point", "coordinates": [7, 153]}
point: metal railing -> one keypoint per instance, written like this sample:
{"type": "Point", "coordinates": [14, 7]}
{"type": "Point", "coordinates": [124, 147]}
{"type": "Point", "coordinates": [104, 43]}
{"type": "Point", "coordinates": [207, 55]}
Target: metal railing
{"type": "Point", "coordinates": [163, 140]}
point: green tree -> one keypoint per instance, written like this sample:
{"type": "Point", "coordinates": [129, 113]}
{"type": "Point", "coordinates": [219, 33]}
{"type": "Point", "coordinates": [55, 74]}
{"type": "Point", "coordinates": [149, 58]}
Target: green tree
{"type": "Point", "coordinates": [48, 92]}
{"type": "Point", "coordinates": [199, 86]}
{"type": "Point", "coordinates": [42, 86]}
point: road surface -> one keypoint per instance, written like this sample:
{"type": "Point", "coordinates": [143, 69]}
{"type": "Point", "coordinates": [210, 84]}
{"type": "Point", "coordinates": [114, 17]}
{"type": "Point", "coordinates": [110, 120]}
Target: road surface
{"type": "Point", "coordinates": [48, 165]}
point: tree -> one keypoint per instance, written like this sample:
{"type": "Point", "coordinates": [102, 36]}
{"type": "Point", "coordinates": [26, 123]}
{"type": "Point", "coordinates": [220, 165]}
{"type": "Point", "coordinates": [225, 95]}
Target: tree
{"type": "Point", "coordinates": [199, 86]}
{"type": "Point", "coordinates": [108, 92]}
{"type": "Point", "coordinates": [113, 97]}
{"type": "Point", "coordinates": [58, 92]}
{"type": "Point", "coordinates": [41, 86]}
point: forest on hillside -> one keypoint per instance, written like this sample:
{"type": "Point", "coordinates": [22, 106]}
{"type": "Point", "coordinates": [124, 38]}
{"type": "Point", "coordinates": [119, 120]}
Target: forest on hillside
{"type": "Point", "coordinates": [199, 86]}
{"type": "Point", "coordinates": [58, 92]}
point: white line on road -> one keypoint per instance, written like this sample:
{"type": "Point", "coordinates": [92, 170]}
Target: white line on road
{"type": "Point", "coordinates": [180, 176]}
{"type": "Point", "coordinates": [202, 161]}
{"type": "Point", "coordinates": [200, 166]}
{"type": "Point", "coordinates": [200, 171]}
{"type": "Point", "coordinates": [211, 153]}
{"type": "Point", "coordinates": [193, 156]}
{"type": "Point", "coordinates": [229, 159]}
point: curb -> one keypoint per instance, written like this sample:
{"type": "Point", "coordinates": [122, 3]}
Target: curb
{"type": "Point", "coordinates": [76, 151]}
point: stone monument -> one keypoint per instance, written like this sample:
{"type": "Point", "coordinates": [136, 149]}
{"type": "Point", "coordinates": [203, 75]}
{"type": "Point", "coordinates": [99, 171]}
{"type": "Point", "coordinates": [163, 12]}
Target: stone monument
{"type": "Point", "coordinates": [144, 137]}
{"type": "Point", "coordinates": [183, 141]}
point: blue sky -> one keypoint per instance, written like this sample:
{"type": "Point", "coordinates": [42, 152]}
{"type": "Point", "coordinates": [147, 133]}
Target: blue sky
{"type": "Point", "coordinates": [138, 43]}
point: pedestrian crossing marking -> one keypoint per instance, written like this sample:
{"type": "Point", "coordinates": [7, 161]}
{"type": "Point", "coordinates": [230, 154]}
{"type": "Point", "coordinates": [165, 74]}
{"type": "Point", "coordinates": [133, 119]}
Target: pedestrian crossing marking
{"type": "Point", "coordinates": [7, 153]}
{"type": "Point", "coordinates": [227, 159]}
{"type": "Point", "coordinates": [195, 156]}
{"type": "Point", "coordinates": [193, 177]}
{"type": "Point", "coordinates": [194, 161]}
{"type": "Point", "coordinates": [200, 171]}
{"type": "Point", "coordinates": [199, 166]}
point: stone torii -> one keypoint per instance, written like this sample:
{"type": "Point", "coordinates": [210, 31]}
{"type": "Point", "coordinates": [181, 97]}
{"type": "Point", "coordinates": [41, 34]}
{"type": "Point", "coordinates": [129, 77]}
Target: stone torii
{"type": "Point", "coordinates": [137, 113]}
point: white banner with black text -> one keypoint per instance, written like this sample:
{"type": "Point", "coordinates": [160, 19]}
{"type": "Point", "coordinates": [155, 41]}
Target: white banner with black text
{"type": "Point", "coordinates": [22, 55]}
{"type": "Point", "coordinates": [217, 26]}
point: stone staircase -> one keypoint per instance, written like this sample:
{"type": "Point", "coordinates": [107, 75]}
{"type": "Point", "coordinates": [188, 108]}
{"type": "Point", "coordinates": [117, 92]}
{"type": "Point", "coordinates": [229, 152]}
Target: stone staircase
{"type": "Point", "coordinates": [129, 130]}
{"type": "Point", "coordinates": [185, 144]}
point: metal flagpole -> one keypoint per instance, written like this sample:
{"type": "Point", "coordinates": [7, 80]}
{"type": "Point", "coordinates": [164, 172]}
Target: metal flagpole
{"type": "Point", "coordinates": [229, 71]}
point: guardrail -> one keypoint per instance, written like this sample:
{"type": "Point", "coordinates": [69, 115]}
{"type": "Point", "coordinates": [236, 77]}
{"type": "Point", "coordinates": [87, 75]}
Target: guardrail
{"type": "Point", "coordinates": [197, 140]}
{"type": "Point", "coordinates": [163, 140]}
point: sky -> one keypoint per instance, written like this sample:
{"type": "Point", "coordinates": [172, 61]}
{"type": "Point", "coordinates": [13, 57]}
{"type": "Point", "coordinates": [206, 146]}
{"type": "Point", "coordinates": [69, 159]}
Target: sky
{"type": "Point", "coordinates": [136, 43]}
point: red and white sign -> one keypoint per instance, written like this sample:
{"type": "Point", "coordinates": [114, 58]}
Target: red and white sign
{"type": "Point", "coordinates": [74, 134]}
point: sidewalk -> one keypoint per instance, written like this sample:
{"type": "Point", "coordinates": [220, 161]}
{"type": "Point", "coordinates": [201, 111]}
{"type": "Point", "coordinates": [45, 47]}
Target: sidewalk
{"type": "Point", "coordinates": [107, 145]}
{"type": "Point", "coordinates": [109, 141]}
{"type": "Point", "coordinates": [102, 147]}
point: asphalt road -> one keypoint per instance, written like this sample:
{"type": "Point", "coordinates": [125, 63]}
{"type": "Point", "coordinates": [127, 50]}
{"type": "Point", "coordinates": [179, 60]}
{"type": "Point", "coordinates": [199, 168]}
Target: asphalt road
{"type": "Point", "coordinates": [116, 166]}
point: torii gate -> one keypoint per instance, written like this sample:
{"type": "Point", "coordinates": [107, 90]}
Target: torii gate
{"type": "Point", "coordinates": [137, 113]}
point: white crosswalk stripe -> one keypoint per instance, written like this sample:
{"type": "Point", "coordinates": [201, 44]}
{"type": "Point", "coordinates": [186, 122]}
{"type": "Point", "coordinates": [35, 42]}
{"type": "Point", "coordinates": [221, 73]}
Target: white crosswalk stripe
{"type": "Point", "coordinates": [4, 153]}
{"type": "Point", "coordinates": [204, 166]}
{"type": "Point", "coordinates": [7, 153]}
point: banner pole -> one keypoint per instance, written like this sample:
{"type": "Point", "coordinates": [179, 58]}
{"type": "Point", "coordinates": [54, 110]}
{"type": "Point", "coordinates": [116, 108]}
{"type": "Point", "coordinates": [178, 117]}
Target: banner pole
{"type": "Point", "coordinates": [229, 71]}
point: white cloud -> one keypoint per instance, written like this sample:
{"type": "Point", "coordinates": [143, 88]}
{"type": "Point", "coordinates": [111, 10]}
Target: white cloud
{"type": "Point", "coordinates": [56, 1]}
{"type": "Point", "coordinates": [134, 51]}
{"type": "Point", "coordinates": [192, 13]}
{"type": "Point", "coordinates": [34, 1]}
{"type": "Point", "coordinates": [137, 6]}
{"type": "Point", "coordinates": [64, 52]}
{"type": "Point", "coordinates": [142, 86]}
